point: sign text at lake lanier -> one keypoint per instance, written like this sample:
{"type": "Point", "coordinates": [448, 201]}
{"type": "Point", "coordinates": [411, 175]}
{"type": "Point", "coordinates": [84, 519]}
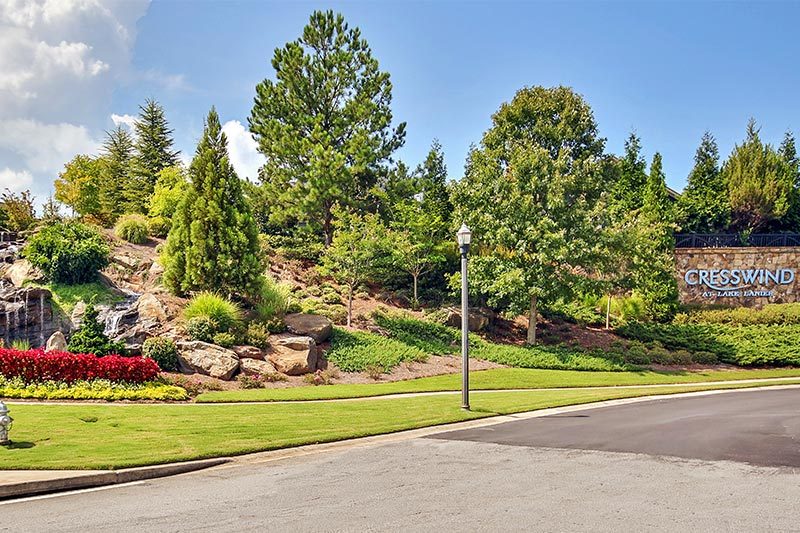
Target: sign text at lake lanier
{"type": "Point", "coordinates": [725, 282]}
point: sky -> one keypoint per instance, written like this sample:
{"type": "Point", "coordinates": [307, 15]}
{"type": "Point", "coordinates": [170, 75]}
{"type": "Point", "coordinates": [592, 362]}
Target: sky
{"type": "Point", "coordinates": [72, 69]}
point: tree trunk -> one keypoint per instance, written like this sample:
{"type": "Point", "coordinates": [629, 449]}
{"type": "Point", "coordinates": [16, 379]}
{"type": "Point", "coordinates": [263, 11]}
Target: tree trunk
{"type": "Point", "coordinates": [532, 319]}
{"type": "Point", "coordinates": [608, 312]}
{"type": "Point", "coordinates": [416, 298]}
{"type": "Point", "coordinates": [350, 307]}
{"type": "Point", "coordinates": [327, 226]}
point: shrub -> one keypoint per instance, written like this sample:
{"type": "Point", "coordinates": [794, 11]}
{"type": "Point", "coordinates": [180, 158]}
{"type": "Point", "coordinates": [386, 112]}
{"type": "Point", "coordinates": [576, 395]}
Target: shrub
{"type": "Point", "coordinates": [33, 366]}
{"type": "Point", "coordinates": [95, 389]}
{"type": "Point", "coordinates": [90, 337]}
{"type": "Point", "coordinates": [224, 339]}
{"type": "Point", "coordinates": [258, 335]}
{"type": "Point", "coordinates": [273, 299]}
{"type": "Point", "coordinates": [68, 252]}
{"type": "Point", "coordinates": [770, 314]}
{"type": "Point", "coordinates": [159, 227]}
{"type": "Point", "coordinates": [201, 328]}
{"type": "Point", "coordinates": [224, 313]}
{"type": "Point", "coordinates": [163, 351]}
{"type": "Point", "coordinates": [321, 377]}
{"type": "Point", "coordinates": [250, 382]}
{"type": "Point", "coordinates": [330, 296]}
{"type": "Point", "coordinates": [336, 313]}
{"type": "Point", "coordinates": [132, 228]}
{"type": "Point", "coordinates": [374, 372]}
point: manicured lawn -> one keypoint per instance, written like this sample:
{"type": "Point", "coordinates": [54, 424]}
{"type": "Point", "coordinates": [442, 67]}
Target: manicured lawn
{"type": "Point", "coordinates": [122, 435]}
{"type": "Point", "coordinates": [500, 378]}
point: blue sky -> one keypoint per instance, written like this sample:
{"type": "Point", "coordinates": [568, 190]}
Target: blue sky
{"type": "Point", "coordinates": [668, 70]}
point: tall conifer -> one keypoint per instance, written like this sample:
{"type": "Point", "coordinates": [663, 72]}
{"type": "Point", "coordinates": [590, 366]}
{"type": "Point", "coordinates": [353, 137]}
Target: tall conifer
{"type": "Point", "coordinates": [213, 242]}
{"type": "Point", "coordinates": [154, 152]}
{"type": "Point", "coordinates": [704, 206]}
{"type": "Point", "coordinates": [117, 157]}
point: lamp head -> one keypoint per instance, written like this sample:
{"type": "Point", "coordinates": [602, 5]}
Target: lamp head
{"type": "Point", "coordinates": [464, 235]}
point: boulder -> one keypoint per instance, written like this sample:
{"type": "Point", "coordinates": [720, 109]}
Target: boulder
{"type": "Point", "coordinates": [249, 352]}
{"type": "Point", "coordinates": [208, 359]}
{"type": "Point", "coordinates": [125, 261]}
{"type": "Point", "coordinates": [293, 355]}
{"type": "Point", "coordinates": [252, 367]}
{"type": "Point", "coordinates": [317, 327]}
{"type": "Point", "coordinates": [479, 319]}
{"type": "Point", "coordinates": [56, 343]}
{"type": "Point", "coordinates": [150, 309]}
{"type": "Point", "coordinates": [22, 271]}
{"type": "Point", "coordinates": [77, 314]}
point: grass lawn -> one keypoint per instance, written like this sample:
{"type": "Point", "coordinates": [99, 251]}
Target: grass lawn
{"type": "Point", "coordinates": [67, 296]}
{"type": "Point", "coordinates": [123, 435]}
{"type": "Point", "coordinates": [500, 378]}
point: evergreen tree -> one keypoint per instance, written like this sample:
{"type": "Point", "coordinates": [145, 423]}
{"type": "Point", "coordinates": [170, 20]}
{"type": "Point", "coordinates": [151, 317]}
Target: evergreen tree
{"type": "Point", "coordinates": [704, 206]}
{"type": "Point", "coordinates": [433, 181]}
{"type": "Point", "coordinates": [117, 156]}
{"type": "Point", "coordinates": [631, 179]}
{"type": "Point", "coordinates": [90, 337]}
{"type": "Point", "coordinates": [154, 152]}
{"type": "Point", "coordinates": [760, 183]}
{"type": "Point", "coordinates": [324, 123]}
{"type": "Point", "coordinates": [656, 198]}
{"type": "Point", "coordinates": [788, 152]}
{"type": "Point", "coordinates": [213, 242]}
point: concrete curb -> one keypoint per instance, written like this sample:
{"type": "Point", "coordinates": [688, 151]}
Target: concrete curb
{"type": "Point", "coordinates": [65, 481]}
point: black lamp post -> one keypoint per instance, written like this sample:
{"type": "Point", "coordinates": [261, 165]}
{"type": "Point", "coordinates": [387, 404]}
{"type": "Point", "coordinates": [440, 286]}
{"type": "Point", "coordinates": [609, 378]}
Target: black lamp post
{"type": "Point", "coordinates": [464, 238]}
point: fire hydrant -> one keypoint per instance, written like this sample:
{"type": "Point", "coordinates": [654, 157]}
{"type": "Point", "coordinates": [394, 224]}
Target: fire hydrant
{"type": "Point", "coordinates": [5, 425]}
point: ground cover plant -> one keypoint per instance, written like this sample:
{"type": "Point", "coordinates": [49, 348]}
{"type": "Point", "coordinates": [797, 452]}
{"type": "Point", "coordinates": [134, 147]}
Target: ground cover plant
{"type": "Point", "coordinates": [33, 366]}
{"type": "Point", "coordinates": [95, 389]}
{"type": "Point", "coordinates": [355, 351]}
{"type": "Point", "coordinates": [50, 436]}
{"type": "Point", "coordinates": [746, 345]}
{"type": "Point", "coordinates": [499, 379]}
{"type": "Point", "coordinates": [438, 339]}
{"type": "Point", "coordinates": [67, 296]}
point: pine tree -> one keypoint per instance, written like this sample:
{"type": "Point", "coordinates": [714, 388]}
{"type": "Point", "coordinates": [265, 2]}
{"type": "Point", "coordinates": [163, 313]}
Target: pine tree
{"type": "Point", "coordinates": [656, 197]}
{"type": "Point", "coordinates": [627, 191]}
{"type": "Point", "coordinates": [760, 183]}
{"type": "Point", "coordinates": [788, 152]}
{"type": "Point", "coordinates": [117, 157]}
{"type": "Point", "coordinates": [325, 123]}
{"type": "Point", "coordinates": [704, 206]}
{"type": "Point", "coordinates": [154, 152]}
{"type": "Point", "coordinates": [213, 242]}
{"type": "Point", "coordinates": [433, 180]}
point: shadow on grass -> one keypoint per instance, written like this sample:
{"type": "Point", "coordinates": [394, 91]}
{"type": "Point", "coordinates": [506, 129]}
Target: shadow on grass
{"type": "Point", "coordinates": [19, 445]}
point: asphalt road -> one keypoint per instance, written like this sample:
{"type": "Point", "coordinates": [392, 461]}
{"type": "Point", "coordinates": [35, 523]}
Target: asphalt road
{"type": "Point", "coordinates": [592, 470]}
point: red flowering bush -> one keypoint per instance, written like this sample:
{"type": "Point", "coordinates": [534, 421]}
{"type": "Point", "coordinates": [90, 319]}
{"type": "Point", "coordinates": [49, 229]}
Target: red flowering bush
{"type": "Point", "coordinates": [36, 365]}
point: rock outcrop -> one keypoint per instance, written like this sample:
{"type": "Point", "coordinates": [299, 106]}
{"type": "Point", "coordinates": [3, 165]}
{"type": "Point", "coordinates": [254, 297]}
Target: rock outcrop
{"type": "Point", "coordinates": [253, 367]}
{"type": "Point", "coordinates": [249, 352]}
{"type": "Point", "coordinates": [293, 355]}
{"type": "Point", "coordinates": [479, 319]}
{"type": "Point", "coordinates": [317, 327]}
{"type": "Point", "coordinates": [27, 313]}
{"type": "Point", "coordinates": [56, 343]}
{"type": "Point", "coordinates": [209, 359]}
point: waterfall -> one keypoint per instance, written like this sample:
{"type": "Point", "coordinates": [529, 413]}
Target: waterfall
{"type": "Point", "coordinates": [25, 317]}
{"type": "Point", "coordinates": [8, 327]}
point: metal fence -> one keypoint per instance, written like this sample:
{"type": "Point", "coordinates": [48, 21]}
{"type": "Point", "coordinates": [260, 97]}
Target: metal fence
{"type": "Point", "coordinates": [733, 240]}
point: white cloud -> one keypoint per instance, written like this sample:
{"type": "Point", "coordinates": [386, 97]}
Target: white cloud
{"type": "Point", "coordinates": [16, 181]}
{"type": "Point", "coordinates": [126, 120]}
{"type": "Point", "coordinates": [243, 150]}
{"type": "Point", "coordinates": [60, 62]}
{"type": "Point", "coordinates": [44, 148]}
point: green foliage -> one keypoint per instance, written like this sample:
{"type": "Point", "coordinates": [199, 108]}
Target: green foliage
{"type": "Point", "coordinates": [632, 178]}
{"type": "Point", "coordinates": [747, 345]}
{"type": "Point", "coordinates": [433, 338]}
{"type": "Point", "coordinates": [67, 296]}
{"type": "Point", "coordinates": [132, 228]}
{"type": "Point", "coordinates": [21, 344]}
{"type": "Point", "coordinates": [258, 335]}
{"type": "Point", "coordinates": [350, 259]}
{"type": "Point", "coordinates": [159, 227]}
{"type": "Point", "coordinates": [79, 184]}
{"type": "Point", "coordinates": [90, 337]}
{"type": "Point", "coordinates": [169, 189]}
{"type": "Point", "coordinates": [163, 351]}
{"type": "Point", "coordinates": [17, 209]}
{"type": "Point", "coordinates": [153, 153]}
{"type": "Point", "coordinates": [704, 205]}
{"type": "Point", "coordinates": [201, 328]}
{"type": "Point", "coordinates": [323, 123]}
{"type": "Point", "coordinates": [213, 243]}
{"type": "Point", "coordinates": [760, 183]}
{"type": "Point", "coordinates": [354, 351]}
{"type": "Point", "coordinates": [532, 197]}
{"type": "Point", "coordinates": [771, 314]}
{"type": "Point", "coordinates": [222, 312]}
{"type": "Point", "coordinates": [226, 340]}
{"type": "Point", "coordinates": [273, 300]}
{"type": "Point", "coordinates": [432, 179]}
{"type": "Point", "coordinates": [68, 252]}
{"type": "Point", "coordinates": [115, 187]}
{"type": "Point", "coordinates": [99, 389]}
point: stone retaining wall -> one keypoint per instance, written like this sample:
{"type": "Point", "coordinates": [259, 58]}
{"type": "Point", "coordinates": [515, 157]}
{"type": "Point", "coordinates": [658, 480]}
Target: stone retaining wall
{"type": "Point", "coordinates": [749, 277]}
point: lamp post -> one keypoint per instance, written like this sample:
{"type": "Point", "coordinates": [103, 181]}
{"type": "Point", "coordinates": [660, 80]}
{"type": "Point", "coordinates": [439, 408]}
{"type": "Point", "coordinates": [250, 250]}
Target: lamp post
{"type": "Point", "coordinates": [464, 236]}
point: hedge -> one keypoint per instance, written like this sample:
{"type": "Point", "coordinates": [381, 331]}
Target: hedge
{"type": "Point", "coordinates": [36, 366]}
